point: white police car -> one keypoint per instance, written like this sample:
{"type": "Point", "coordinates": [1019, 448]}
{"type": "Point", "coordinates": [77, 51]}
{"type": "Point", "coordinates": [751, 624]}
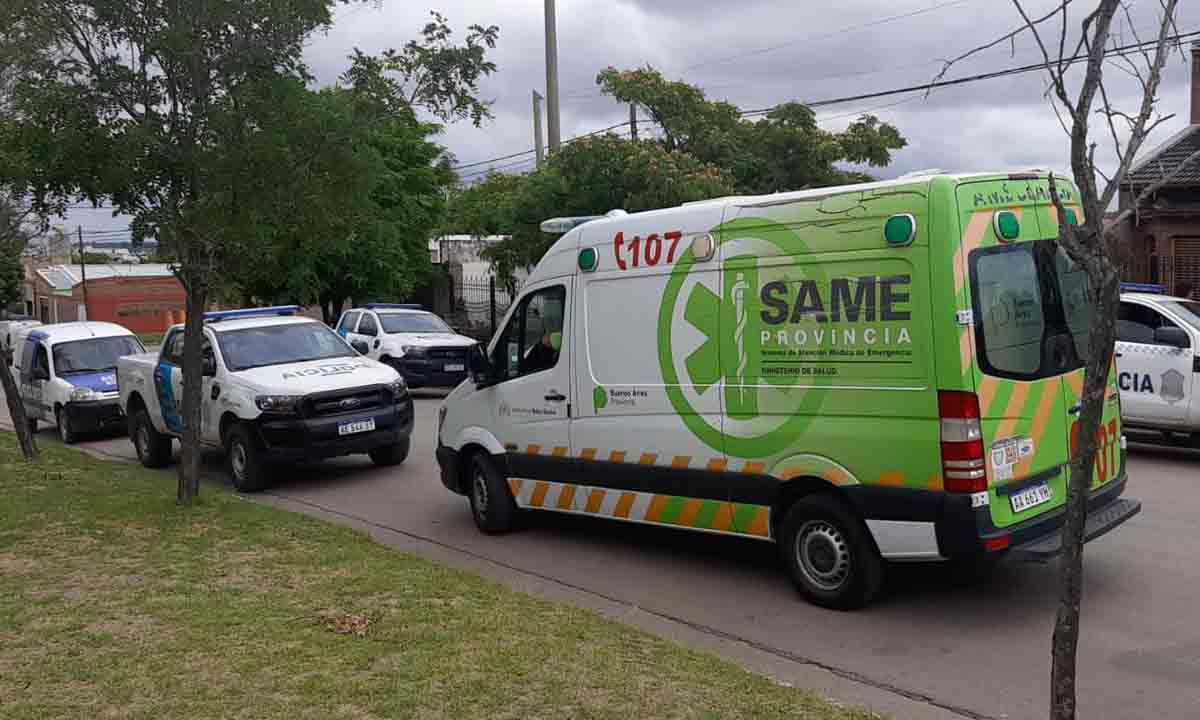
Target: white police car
{"type": "Point", "coordinates": [417, 343]}
{"type": "Point", "coordinates": [67, 374]}
{"type": "Point", "coordinates": [1158, 342]}
{"type": "Point", "coordinates": [277, 388]}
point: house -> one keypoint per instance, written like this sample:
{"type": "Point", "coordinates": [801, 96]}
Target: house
{"type": "Point", "coordinates": [1164, 235]}
{"type": "Point", "coordinates": [144, 298]}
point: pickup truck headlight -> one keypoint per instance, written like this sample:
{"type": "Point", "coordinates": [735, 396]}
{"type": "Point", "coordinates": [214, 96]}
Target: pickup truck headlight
{"type": "Point", "coordinates": [414, 350]}
{"type": "Point", "coordinates": [278, 404]}
{"type": "Point", "coordinates": [399, 390]}
{"type": "Point", "coordinates": [82, 394]}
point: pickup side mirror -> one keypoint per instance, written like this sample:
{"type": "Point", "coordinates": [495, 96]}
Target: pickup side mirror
{"type": "Point", "coordinates": [1172, 337]}
{"type": "Point", "coordinates": [210, 365]}
{"type": "Point", "coordinates": [360, 346]}
{"type": "Point", "coordinates": [482, 373]}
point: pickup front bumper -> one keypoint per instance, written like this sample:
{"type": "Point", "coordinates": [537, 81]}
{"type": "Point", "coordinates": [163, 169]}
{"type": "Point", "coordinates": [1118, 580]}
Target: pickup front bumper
{"type": "Point", "coordinates": [301, 439]}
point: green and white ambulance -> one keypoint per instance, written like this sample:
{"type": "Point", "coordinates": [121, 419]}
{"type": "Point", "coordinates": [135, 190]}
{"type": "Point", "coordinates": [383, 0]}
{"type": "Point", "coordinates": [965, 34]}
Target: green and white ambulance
{"type": "Point", "coordinates": [882, 372]}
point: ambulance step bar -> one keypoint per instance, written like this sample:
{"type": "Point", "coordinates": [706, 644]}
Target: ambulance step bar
{"type": "Point", "coordinates": [1099, 522]}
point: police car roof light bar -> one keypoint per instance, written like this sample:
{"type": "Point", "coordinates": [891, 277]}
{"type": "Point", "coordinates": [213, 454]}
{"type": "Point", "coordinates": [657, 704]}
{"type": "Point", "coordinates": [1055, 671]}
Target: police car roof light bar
{"type": "Point", "coordinates": [393, 306]}
{"type": "Point", "coordinates": [220, 315]}
{"type": "Point", "coordinates": [1144, 288]}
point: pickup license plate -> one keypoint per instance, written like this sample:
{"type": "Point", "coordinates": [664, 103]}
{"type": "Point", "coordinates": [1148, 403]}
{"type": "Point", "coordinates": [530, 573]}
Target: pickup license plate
{"type": "Point", "coordinates": [353, 428]}
{"type": "Point", "coordinates": [455, 368]}
{"type": "Point", "coordinates": [1031, 497]}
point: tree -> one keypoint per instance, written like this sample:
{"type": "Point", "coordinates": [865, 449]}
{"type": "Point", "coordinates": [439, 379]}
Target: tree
{"type": "Point", "coordinates": [1094, 245]}
{"type": "Point", "coordinates": [140, 103]}
{"type": "Point", "coordinates": [14, 232]}
{"type": "Point", "coordinates": [590, 176]}
{"type": "Point", "coordinates": [784, 150]}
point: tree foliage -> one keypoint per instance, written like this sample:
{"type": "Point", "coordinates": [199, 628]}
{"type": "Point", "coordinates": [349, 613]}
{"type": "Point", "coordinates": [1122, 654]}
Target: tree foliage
{"type": "Point", "coordinates": [590, 176]}
{"type": "Point", "coordinates": [784, 150]}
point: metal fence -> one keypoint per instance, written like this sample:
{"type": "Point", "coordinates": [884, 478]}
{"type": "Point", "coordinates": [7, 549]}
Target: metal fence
{"type": "Point", "coordinates": [477, 304]}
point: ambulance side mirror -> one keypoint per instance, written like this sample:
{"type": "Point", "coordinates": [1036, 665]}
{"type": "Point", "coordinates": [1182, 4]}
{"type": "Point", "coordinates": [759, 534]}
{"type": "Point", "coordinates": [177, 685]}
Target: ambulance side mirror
{"type": "Point", "coordinates": [480, 367]}
{"type": "Point", "coordinates": [1172, 337]}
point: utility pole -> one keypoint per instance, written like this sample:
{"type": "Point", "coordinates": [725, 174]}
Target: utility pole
{"type": "Point", "coordinates": [633, 121]}
{"type": "Point", "coordinates": [537, 128]}
{"type": "Point", "coordinates": [552, 125]}
{"type": "Point", "coordinates": [83, 274]}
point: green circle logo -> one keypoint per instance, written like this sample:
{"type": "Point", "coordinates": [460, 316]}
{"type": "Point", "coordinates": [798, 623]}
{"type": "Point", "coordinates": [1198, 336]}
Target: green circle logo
{"type": "Point", "coordinates": [760, 407]}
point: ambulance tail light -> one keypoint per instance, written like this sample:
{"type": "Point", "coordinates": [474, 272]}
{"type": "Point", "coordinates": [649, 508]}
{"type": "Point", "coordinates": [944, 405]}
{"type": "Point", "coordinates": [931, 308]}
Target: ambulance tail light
{"type": "Point", "coordinates": [963, 468]}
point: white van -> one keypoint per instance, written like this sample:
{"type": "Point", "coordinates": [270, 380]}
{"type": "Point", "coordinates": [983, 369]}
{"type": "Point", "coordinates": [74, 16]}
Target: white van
{"type": "Point", "coordinates": [68, 375]}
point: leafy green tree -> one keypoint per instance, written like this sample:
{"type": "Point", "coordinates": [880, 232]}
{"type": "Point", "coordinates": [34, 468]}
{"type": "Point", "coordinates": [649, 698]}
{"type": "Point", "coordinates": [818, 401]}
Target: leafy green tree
{"type": "Point", "coordinates": [590, 176]}
{"type": "Point", "coordinates": [785, 150]}
{"type": "Point", "coordinates": [14, 233]}
{"type": "Point", "coordinates": [145, 104]}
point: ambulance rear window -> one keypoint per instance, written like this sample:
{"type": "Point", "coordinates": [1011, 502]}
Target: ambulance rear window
{"type": "Point", "coordinates": [1032, 309]}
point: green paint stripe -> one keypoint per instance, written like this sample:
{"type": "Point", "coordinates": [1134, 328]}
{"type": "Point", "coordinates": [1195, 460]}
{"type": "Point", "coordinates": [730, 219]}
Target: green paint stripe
{"type": "Point", "coordinates": [707, 514]}
{"type": "Point", "coordinates": [673, 510]}
{"type": "Point", "coordinates": [1000, 400]}
{"type": "Point", "coordinates": [743, 515]}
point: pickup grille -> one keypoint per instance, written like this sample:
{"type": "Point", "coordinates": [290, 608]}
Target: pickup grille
{"type": "Point", "coordinates": [339, 402]}
{"type": "Point", "coordinates": [448, 353]}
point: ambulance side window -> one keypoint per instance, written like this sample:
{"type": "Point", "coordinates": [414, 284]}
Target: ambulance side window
{"type": "Point", "coordinates": [1137, 324]}
{"type": "Point", "coordinates": [532, 340]}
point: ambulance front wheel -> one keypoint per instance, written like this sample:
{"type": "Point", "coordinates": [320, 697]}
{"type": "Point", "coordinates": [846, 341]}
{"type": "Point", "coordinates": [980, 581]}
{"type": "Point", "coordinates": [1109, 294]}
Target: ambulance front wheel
{"type": "Point", "coordinates": [829, 554]}
{"type": "Point", "coordinates": [492, 503]}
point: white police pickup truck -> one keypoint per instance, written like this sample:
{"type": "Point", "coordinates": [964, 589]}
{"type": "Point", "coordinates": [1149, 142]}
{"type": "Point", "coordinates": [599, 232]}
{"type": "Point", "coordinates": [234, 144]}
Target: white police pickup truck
{"type": "Point", "coordinates": [419, 344]}
{"type": "Point", "coordinates": [67, 374]}
{"type": "Point", "coordinates": [277, 388]}
{"type": "Point", "coordinates": [1158, 356]}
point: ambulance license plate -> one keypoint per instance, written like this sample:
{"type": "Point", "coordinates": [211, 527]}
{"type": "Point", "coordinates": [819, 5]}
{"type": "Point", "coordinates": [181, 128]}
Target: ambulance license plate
{"type": "Point", "coordinates": [353, 428]}
{"type": "Point", "coordinates": [456, 368]}
{"type": "Point", "coordinates": [1031, 497]}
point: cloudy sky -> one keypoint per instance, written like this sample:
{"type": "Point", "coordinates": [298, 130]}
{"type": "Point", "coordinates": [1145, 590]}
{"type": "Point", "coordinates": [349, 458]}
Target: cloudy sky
{"type": "Point", "coordinates": [756, 53]}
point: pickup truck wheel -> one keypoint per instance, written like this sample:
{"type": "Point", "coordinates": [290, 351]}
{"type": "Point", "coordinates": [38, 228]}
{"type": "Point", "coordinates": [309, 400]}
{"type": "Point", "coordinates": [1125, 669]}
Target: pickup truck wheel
{"type": "Point", "coordinates": [391, 454]}
{"type": "Point", "coordinates": [829, 554]}
{"type": "Point", "coordinates": [65, 431]}
{"type": "Point", "coordinates": [246, 467]}
{"type": "Point", "coordinates": [492, 503]}
{"type": "Point", "coordinates": [153, 448]}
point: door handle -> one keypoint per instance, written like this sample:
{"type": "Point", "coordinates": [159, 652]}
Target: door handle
{"type": "Point", "coordinates": [1119, 354]}
{"type": "Point", "coordinates": [556, 397]}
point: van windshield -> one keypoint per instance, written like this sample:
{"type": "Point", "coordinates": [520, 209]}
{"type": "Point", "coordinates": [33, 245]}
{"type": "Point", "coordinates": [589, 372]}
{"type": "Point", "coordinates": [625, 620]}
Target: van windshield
{"type": "Point", "coordinates": [95, 355]}
{"type": "Point", "coordinates": [1033, 307]}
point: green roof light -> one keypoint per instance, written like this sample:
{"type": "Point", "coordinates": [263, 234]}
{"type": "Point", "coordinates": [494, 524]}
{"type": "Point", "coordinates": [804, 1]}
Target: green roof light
{"type": "Point", "coordinates": [900, 230]}
{"type": "Point", "coordinates": [587, 259]}
{"type": "Point", "coordinates": [1006, 225]}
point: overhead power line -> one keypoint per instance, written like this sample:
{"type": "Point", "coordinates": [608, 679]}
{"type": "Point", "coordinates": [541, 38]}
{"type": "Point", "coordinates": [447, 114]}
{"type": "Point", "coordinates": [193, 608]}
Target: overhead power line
{"type": "Point", "coordinates": [924, 87]}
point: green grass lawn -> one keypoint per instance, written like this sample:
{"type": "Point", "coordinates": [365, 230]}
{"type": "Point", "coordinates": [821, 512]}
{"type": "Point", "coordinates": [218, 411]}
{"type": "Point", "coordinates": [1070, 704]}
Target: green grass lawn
{"type": "Point", "coordinates": [114, 603]}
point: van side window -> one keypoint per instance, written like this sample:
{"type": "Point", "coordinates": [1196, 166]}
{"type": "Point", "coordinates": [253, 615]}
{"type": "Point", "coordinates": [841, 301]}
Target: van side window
{"type": "Point", "coordinates": [41, 360]}
{"type": "Point", "coordinates": [1137, 324]}
{"type": "Point", "coordinates": [532, 340]}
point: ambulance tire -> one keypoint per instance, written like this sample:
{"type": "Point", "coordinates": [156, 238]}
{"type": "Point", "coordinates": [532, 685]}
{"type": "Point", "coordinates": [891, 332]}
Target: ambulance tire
{"type": "Point", "coordinates": [492, 504]}
{"type": "Point", "coordinates": [153, 448]}
{"type": "Point", "coordinates": [65, 432]}
{"type": "Point", "coordinates": [244, 462]}
{"type": "Point", "coordinates": [829, 554]}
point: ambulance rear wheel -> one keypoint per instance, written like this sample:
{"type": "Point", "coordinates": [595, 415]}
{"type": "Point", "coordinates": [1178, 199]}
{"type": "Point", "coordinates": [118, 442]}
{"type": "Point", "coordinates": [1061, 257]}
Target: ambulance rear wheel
{"type": "Point", "coordinates": [829, 554]}
{"type": "Point", "coordinates": [492, 503]}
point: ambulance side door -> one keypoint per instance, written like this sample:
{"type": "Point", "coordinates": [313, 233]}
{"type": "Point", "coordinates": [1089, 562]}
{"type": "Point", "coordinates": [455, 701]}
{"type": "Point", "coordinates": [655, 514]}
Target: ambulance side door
{"type": "Point", "coordinates": [1154, 370]}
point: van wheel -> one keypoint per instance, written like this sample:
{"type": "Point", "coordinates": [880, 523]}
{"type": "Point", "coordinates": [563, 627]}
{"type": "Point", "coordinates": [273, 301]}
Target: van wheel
{"type": "Point", "coordinates": [153, 448]}
{"type": "Point", "coordinates": [492, 503]}
{"type": "Point", "coordinates": [244, 461]}
{"type": "Point", "coordinates": [389, 455]}
{"type": "Point", "coordinates": [829, 554]}
{"type": "Point", "coordinates": [65, 431]}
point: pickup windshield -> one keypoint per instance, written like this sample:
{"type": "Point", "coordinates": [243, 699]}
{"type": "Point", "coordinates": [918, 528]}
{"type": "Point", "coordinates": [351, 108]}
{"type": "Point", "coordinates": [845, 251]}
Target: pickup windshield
{"type": "Point", "coordinates": [94, 355]}
{"type": "Point", "coordinates": [1032, 306]}
{"type": "Point", "coordinates": [280, 345]}
{"type": "Point", "coordinates": [413, 323]}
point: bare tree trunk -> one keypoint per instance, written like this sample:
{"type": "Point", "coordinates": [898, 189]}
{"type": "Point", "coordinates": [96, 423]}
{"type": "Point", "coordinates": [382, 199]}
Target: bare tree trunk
{"type": "Point", "coordinates": [16, 409]}
{"type": "Point", "coordinates": [189, 457]}
{"type": "Point", "coordinates": [1065, 643]}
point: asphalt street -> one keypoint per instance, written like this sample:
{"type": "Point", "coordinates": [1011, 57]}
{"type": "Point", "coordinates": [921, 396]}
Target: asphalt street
{"type": "Point", "coordinates": [936, 644]}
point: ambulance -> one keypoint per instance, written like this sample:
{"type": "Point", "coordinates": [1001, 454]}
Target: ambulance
{"type": "Point", "coordinates": [862, 375]}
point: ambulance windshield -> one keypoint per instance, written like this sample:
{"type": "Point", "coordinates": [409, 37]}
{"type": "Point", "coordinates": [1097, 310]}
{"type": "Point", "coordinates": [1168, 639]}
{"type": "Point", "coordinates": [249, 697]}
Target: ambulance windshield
{"type": "Point", "coordinates": [1032, 308]}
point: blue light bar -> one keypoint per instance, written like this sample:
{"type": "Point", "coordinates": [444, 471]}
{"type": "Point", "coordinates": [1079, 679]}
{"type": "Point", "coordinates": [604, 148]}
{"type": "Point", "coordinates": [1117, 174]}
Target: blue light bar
{"type": "Point", "coordinates": [1144, 288]}
{"type": "Point", "coordinates": [252, 313]}
{"type": "Point", "coordinates": [393, 306]}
